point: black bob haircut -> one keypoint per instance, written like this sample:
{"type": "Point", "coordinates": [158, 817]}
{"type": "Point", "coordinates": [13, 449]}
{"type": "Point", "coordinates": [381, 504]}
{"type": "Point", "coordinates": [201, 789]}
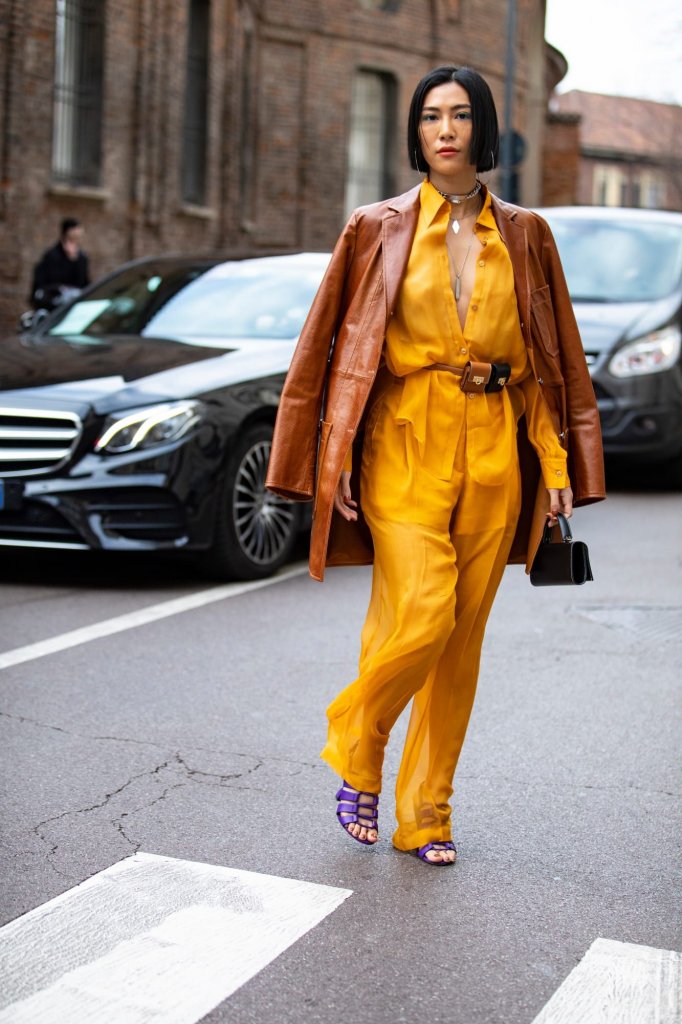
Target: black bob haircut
{"type": "Point", "coordinates": [68, 223]}
{"type": "Point", "coordinates": [485, 139]}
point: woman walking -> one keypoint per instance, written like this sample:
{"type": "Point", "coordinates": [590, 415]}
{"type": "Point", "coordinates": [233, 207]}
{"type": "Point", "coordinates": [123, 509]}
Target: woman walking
{"type": "Point", "coordinates": [438, 408]}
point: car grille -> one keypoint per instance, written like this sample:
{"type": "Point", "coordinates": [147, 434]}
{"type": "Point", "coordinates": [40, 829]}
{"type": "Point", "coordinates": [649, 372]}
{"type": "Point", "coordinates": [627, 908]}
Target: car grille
{"type": "Point", "coordinates": [36, 440]}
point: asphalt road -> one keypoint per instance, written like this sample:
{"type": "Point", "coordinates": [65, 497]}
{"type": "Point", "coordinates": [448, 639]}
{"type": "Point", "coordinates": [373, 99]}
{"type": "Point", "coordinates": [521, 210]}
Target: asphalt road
{"type": "Point", "coordinates": [197, 737]}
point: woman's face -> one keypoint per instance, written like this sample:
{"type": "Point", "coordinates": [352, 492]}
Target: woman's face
{"type": "Point", "coordinates": [445, 129]}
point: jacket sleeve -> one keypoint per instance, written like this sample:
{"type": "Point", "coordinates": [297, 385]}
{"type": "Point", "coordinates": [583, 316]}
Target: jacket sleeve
{"type": "Point", "coordinates": [586, 462]}
{"type": "Point", "coordinates": [291, 469]}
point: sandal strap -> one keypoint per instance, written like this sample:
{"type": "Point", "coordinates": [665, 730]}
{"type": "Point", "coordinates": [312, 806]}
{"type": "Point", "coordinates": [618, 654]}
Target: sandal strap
{"type": "Point", "coordinates": [443, 847]}
{"type": "Point", "coordinates": [351, 817]}
{"type": "Point", "coordinates": [350, 811]}
{"type": "Point", "coordinates": [352, 796]}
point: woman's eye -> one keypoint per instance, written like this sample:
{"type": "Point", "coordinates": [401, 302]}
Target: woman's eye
{"type": "Point", "coordinates": [428, 117]}
{"type": "Point", "coordinates": [464, 115]}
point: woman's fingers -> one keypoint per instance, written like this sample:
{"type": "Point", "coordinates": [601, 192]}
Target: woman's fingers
{"type": "Point", "coordinates": [566, 500]}
{"type": "Point", "coordinates": [559, 501]}
{"type": "Point", "coordinates": [343, 502]}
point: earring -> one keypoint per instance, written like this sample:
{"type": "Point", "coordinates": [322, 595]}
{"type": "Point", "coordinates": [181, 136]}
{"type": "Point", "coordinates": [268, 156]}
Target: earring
{"type": "Point", "coordinates": [492, 160]}
{"type": "Point", "coordinates": [416, 161]}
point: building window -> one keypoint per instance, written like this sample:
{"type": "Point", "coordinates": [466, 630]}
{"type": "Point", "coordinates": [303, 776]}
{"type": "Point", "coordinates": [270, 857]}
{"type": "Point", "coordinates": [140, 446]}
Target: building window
{"type": "Point", "coordinates": [653, 191]}
{"type": "Point", "coordinates": [609, 186]}
{"type": "Point", "coordinates": [371, 159]}
{"type": "Point", "coordinates": [79, 70]}
{"type": "Point", "coordinates": [635, 192]}
{"type": "Point", "coordinates": [623, 201]}
{"type": "Point", "coordinates": [195, 134]}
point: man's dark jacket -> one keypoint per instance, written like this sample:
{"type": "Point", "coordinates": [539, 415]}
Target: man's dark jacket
{"type": "Point", "coordinates": [55, 268]}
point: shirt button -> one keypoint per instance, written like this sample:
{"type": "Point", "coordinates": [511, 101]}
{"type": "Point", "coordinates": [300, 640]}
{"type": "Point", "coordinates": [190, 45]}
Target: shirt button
{"type": "Point", "coordinates": [463, 351]}
{"type": "Point", "coordinates": [558, 472]}
{"type": "Point", "coordinates": [471, 395]}
{"type": "Point", "coordinates": [481, 263]}
{"type": "Point", "coordinates": [484, 241]}
{"type": "Point", "coordinates": [474, 307]}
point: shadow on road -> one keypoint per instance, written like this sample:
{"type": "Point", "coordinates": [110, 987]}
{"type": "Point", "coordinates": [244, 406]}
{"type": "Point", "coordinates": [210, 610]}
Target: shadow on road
{"type": "Point", "coordinates": [624, 479]}
{"type": "Point", "coordinates": [109, 570]}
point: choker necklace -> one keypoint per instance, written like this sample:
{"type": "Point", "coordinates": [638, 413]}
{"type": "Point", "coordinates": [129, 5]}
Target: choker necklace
{"type": "Point", "coordinates": [457, 199]}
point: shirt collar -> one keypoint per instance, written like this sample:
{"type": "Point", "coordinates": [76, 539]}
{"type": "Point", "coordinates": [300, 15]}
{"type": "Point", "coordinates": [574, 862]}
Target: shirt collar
{"type": "Point", "coordinates": [432, 203]}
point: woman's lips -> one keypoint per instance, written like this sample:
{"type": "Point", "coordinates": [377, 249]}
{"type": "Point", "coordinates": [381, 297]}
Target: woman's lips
{"type": "Point", "coordinates": [448, 152]}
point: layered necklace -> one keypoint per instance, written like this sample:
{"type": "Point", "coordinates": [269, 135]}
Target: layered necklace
{"type": "Point", "coordinates": [457, 200]}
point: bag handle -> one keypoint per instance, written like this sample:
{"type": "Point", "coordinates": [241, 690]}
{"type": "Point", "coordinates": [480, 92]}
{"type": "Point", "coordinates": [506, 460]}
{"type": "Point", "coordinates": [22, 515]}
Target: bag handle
{"type": "Point", "coordinates": [566, 534]}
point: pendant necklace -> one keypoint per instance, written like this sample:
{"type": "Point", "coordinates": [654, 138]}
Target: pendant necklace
{"type": "Point", "coordinates": [456, 223]}
{"type": "Point", "coordinates": [458, 276]}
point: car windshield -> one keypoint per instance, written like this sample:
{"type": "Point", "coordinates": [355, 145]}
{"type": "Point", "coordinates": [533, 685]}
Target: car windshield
{"type": "Point", "coordinates": [263, 298]}
{"type": "Point", "coordinates": [612, 261]}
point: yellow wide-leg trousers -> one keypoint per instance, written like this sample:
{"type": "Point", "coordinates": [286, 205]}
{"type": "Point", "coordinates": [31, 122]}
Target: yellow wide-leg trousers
{"type": "Point", "coordinates": [441, 540]}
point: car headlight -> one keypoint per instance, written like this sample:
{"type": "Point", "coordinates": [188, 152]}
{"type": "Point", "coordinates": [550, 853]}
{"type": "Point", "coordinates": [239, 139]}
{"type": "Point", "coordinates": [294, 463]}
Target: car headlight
{"type": "Point", "coordinates": [652, 353]}
{"type": "Point", "coordinates": [144, 428]}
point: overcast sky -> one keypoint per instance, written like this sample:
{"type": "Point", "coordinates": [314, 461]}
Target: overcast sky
{"type": "Point", "coordinates": [619, 47]}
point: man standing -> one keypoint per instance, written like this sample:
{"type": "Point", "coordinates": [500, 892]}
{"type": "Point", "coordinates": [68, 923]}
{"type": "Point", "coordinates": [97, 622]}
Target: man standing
{"type": "Point", "coordinates": [63, 266]}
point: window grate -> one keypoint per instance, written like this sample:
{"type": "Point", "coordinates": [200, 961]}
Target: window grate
{"type": "Point", "coordinates": [79, 68]}
{"type": "Point", "coordinates": [195, 132]}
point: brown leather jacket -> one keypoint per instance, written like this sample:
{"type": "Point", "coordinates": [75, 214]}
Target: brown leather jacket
{"type": "Point", "coordinates": [338, 354]}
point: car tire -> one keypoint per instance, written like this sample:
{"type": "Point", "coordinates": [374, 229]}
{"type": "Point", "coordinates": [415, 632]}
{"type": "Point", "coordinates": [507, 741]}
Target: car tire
{"type": "Point", "coordinates": [255, 530]}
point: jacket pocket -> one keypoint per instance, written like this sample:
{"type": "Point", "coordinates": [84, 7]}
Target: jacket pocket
{"type": "Point", "coordinates": [542, 315]}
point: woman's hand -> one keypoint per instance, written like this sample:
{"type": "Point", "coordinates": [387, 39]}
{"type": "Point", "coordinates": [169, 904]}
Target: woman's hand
{"type": "Point", "coordinates": [343, 503]}
{"type": "Point", "coordinates": [559, 501]}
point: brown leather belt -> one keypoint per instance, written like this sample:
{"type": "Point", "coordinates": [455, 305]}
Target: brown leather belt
{"type": "Point", "coordinates": [477, 377]}
{"type": "Point", "coordinates": [457, 370]}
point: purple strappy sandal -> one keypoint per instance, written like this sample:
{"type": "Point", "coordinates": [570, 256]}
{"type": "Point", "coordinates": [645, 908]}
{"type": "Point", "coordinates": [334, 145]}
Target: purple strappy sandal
{"type": "Point", "coordinates": [350, 811]}
{"type": "Point", "coordinates": [439, 847]}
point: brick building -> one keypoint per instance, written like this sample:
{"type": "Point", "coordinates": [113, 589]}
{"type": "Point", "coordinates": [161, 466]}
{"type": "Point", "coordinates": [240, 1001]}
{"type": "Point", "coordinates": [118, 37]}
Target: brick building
{"type": "Point", "coordinates": [227, 125]}
{"type": "Point", "coordinates": [613, 151]}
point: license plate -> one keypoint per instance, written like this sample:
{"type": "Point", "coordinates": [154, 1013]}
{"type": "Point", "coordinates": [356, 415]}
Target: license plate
{"type": "Point", "coordinates": [11, 495]}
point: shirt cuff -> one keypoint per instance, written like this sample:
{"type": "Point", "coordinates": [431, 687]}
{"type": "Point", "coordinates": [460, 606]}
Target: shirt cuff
{"type": "Point", "coordinates": [554, 473]}
{"type": "Point", "coordinates": [348, 464]}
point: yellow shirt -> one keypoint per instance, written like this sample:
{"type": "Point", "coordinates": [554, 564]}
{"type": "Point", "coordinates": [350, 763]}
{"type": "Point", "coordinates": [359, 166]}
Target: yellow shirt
{"type": "Point", "coordinates": [425, 329]}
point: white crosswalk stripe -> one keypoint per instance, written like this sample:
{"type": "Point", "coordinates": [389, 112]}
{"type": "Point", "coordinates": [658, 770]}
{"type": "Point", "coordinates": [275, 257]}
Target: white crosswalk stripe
{"type": "Point", "coordinates": [619, 983]}
{"type": "Point", "coordinates": [151, 939]}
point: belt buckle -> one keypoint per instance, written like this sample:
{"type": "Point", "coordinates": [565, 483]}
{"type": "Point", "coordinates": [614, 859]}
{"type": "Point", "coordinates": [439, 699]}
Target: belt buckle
{"type": "Point", "coordinates": [475, 377]}
{"type": "Point", "coordinates": [499, 376]}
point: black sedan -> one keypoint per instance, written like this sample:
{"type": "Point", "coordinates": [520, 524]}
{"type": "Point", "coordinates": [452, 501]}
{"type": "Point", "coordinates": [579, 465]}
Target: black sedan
{"type": "Point", "coordinates": [624, 273]}
{"type": "Point", "coordinates": [139, 416]}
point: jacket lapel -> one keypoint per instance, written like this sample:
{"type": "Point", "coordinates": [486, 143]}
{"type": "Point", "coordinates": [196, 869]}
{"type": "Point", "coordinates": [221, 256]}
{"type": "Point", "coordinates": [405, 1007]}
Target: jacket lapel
{"type": "Point", "coordinates": [397, 231]}
{"type": "Point", "coordinates": [515, 238]}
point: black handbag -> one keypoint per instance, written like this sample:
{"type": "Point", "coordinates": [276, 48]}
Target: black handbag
{"type": "Point", "coordinates": [563, 562]}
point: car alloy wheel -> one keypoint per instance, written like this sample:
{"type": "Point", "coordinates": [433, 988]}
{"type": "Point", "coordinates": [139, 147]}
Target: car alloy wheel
{"type": "Point", "coordinates": [263, 522]}
{"type": "Point", "coordinates": [255, 530]}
